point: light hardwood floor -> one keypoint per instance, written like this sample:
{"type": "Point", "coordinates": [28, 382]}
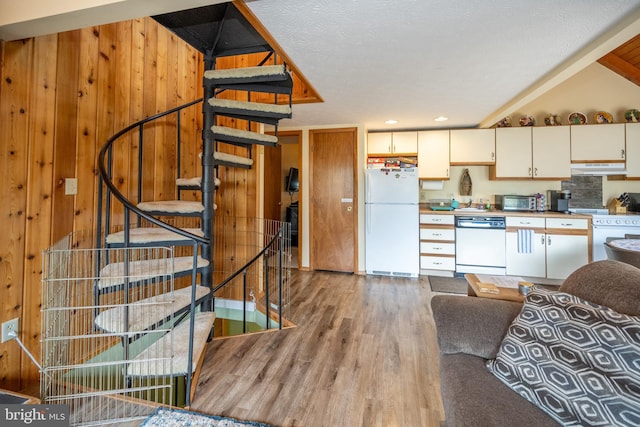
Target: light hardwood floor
{"type": "Point", "coordinates": [363, 353]}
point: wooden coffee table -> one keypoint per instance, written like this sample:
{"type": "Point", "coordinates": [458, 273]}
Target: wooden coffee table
{"type": "Point", "coordinates": [506, 293]}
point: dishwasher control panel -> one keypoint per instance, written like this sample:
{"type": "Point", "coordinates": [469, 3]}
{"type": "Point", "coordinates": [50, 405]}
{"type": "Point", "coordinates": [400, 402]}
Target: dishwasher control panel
{"type": "Point", "coordinates": [495, 222]}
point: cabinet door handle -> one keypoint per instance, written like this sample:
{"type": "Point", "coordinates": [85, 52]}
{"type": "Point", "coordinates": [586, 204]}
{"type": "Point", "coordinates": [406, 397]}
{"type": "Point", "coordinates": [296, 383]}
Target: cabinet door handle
{"type": "Point", "coordinates": [447, 173]}
{"type": "Point", "coordinates": [542, 239]}
{"type": "Point", "coordinates": [529, 171]}
{"type": "Point", "coordinates": [566, 224]}
{"type": "Point", "coordinates": [525, 222]}
{"type": "Point", "coordinates": [622, 154]}
{"type": "Point", "coordinates": [493, 155]}
{"type": "Point", "coordinates": [549, 241]}
{"type": "Point", "coordinates": [389, 148]}
{"type": "Point", "coordinates": [535, 172]}
{"type": "Point", "coordinates": [437, 219]}
{"type": "Point", "coordinates": [437, 234]}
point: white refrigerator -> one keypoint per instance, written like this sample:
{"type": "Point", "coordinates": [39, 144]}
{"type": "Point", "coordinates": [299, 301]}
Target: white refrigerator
{"type": "Point", "coordinates": [392, 217]}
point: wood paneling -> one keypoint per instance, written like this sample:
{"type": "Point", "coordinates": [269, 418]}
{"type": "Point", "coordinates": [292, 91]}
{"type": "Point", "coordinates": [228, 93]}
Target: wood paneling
{"type": "Point", "coordinates": [61, 97]}
{"type": "Point", "coordinates": [625, 60]}
{"type": "Point", "coordinates": [14, 159]}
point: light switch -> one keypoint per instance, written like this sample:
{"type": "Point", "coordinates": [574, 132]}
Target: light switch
{"type": "Point", "coordinates": [70, 186]}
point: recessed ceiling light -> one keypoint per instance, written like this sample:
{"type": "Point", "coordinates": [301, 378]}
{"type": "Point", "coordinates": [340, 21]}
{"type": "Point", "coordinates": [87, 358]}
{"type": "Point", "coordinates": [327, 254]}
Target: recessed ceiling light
{"type": "Point", "coordinates": [441, 119]}
{"type": "Point", "coordinates": [391, 122]}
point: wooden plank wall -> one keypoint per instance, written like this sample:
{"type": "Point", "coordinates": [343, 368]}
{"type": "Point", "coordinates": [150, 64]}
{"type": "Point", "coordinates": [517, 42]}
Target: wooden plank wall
{"type": "Point", "coordinates": [61, 97]}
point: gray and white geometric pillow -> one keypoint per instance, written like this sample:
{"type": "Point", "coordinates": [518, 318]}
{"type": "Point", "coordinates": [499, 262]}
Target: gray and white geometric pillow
{"type": "Point", "coordinates": [577, 361]}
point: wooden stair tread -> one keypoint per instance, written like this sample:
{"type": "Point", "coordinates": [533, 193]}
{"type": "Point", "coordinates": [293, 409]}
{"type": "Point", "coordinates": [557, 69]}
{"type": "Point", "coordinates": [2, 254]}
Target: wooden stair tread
{"type": "Point", "coordinates": [172, 207]}
{"type": "Point", "coordinates": [144, 235]}
{"type": "Point", "coordinates": [265, 73]}
{"type": "Point", "coordinates": [155, 360]}
{"type": "Point", "coordinates": [253, 109]}
{"type": "Point", "coordinates": [233, 135]}
{"type": "Point", "coordinates": [232, 159]}
{"type": "Point", "coordinates": [113, 274]}
{"type": "Point", "coordinates": [147, 312]}
{"type": "Point", "coordinates": [195, 182]}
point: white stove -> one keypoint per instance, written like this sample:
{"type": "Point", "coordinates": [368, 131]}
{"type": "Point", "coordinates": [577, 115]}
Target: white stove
{"type": "Point", "coordinates": [607, 227]}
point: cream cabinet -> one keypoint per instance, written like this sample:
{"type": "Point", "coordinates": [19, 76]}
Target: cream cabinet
{"type": "Point", "coordinates": [473, 146]}
{"type": "Point", "coordinates": [513, 153]}
{"type": "Point", "coordinates": [557, 247]}
{"type": "Point", "coordinates": [437, 244]}
{"type": "Point", "coordinates": [551, 148]}
{"type": "Point", "coordinates": [433, 154]}
{"type": "Point", "coordinates": [633, 149]}
{"type": "Point", "coordinates": [533, 152]}
{"type": "Point", "coordinates": [526, 257]}
{"type": "Point", "coordinates": [567, 244]}
{"type": "Point", "coordinates": [598, 143]}
{"type": "Point", "coordinates": [392, 143]}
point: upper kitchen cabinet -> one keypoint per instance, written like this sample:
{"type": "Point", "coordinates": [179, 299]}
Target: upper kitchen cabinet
{"type": "Point", "coordinates": [551, 148]}
{"type": "Point", "coordinates": [433, 154]}
{"type": "Point", "coordinates": [633, 150]}
{"type": "Point", "coordinates": [514, 157]}
{"type": "Point", "coordinates": [473, 146]}
{"type": "Point", "coordinates": [394, 143]}
{"type": "Point", "coordinates": [600, 143]}
{"type": "Point", "coordinates": [532, 153]}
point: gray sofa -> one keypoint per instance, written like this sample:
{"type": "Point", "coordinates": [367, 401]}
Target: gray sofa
{"type": "Point", "coordinates": [470, 331]}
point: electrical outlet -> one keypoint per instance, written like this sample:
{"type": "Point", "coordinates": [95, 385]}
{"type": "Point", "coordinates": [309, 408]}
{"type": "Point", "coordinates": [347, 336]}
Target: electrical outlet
{"type": "Point", "coordinates": [70, 186]}
{"type": "Point", "coordinates": [9, 326]}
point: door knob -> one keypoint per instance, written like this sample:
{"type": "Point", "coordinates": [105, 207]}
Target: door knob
{"type": "Point", "coordinates": [349, 208]}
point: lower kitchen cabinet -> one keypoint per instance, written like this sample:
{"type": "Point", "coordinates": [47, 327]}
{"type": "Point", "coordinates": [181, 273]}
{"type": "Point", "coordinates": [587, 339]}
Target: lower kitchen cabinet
{"type": "Point", "coordinates": [558, 247]}
{"type": "Point", "coordinates": [437, 244]}
{"type": "Point", "coordinates": [531, 264]}
{"type": "Point", "coordinates": [565, 254]}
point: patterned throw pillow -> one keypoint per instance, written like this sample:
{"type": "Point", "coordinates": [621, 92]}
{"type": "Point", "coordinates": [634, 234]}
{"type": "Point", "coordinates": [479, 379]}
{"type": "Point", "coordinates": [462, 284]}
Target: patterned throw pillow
{"type": "Point", "coordinates": [577, 361]}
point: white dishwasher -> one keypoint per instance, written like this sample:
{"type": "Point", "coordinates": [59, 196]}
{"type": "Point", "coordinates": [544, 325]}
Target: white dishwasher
{"type": "Point", "coordinates": [481, 245]}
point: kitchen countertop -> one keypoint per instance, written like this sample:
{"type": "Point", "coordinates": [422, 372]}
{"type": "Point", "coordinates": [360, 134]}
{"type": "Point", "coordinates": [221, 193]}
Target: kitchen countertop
{"type": "Point", "coordinates": [425, 209]}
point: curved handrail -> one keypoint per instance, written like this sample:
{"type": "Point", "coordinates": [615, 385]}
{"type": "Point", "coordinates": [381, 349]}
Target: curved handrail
{"type": "Point", "coordinates": [222, 284]}
{"type": "Point", "coordinates": [118, 195]}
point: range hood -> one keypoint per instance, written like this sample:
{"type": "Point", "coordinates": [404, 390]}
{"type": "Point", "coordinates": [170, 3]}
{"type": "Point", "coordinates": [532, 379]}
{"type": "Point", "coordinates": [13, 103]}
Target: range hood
{"type": "Point", "coordinates": [598, 169]}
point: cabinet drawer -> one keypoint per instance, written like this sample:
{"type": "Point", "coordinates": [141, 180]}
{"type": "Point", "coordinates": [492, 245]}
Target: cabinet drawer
{"type": "Point", "coordinates": [437, 263]}
{"type": "Point", "coordinates": [437, 234]}
{"type": "Point", "coordinates": [437, 248]}
{"type": "Point", "coordinates": [525, 222]}
{"type": "Point", "coordinates": [568, 223]}
{"type": "Point", "coordinates": [436, 219]}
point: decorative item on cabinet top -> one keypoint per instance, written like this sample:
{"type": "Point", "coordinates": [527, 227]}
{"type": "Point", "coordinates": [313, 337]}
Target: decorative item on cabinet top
{"type": "Point", "coordinates": [504, 123]}
{"type": "Point", "coordinates": [632, 116]}
{"type": "Point", "coordinates": [602, 117]}
{"type": "Point", "coordinates": [577, 119]}
{"type": "Point", "coordinates": [552, 120]}
{"type": "Point", "coordinates": [527, 121]}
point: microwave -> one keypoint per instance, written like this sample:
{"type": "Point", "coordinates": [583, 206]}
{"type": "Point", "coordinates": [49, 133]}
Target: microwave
{"type": "Point", "coordinates": [511, 202]}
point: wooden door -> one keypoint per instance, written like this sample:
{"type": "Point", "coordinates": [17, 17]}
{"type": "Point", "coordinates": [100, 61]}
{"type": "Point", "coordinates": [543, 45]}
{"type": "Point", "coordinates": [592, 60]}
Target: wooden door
{"type": "Point", "coordinates": [333, 211]}
{"type": "Point", "coordinates": [272, 183]}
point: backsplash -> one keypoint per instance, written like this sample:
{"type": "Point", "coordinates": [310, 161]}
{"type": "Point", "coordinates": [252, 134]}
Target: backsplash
{"type": "Point", "coordinates": [586, 191]}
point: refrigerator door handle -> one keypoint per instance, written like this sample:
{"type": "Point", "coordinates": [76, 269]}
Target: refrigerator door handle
{"type": "Point", "coordinates": [368, 219]}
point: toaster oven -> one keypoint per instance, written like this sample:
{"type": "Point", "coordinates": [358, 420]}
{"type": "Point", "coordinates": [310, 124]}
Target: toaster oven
{"type": "Point", "coordinates": [511, 202]}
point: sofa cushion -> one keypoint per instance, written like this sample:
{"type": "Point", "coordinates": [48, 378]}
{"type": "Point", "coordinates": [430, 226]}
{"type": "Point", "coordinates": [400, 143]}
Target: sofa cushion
{"type": "Point", "coordinates": [472, 397]}
{"type": "Point", "coordinates": [610, 283]}
{"type": "Point", "coordinates": [576, 360]}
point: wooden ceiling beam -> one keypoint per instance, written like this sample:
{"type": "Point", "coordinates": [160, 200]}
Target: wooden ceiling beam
{"type": "Point", "coordinates": [622, 67]}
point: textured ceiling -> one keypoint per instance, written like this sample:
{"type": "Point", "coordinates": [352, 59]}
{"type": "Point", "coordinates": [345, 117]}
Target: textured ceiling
{"type": "Point", "coordinates": [414, 60]}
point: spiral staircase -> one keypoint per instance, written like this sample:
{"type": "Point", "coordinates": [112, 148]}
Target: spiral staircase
{"type": "Point", "coordinates": [130, 226]}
